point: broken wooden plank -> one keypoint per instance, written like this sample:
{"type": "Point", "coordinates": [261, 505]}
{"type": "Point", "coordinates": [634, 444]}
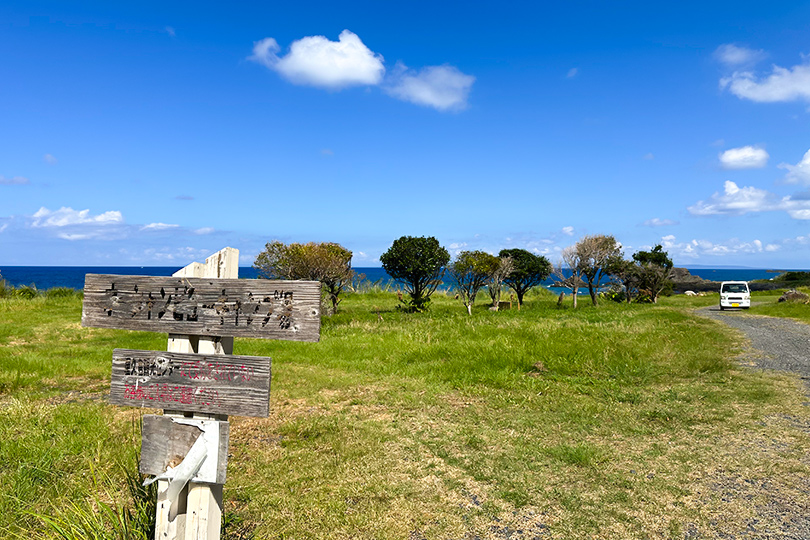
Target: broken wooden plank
{"type": "Point", "coordinates": [257, 308]}
{"type": "Point", "coordinates": [166, 441]}
{"type": "Point", "coordinates": [215, 384]}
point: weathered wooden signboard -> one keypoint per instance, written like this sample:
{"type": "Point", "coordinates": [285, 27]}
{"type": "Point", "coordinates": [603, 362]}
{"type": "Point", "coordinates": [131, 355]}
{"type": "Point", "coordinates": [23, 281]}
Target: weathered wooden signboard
{"type": "Point", "coordinates": [256, 308]}
{"type": "Point", "coordinates": [216, 384]}
{"type": "Point", "coordinates": [198, 376]}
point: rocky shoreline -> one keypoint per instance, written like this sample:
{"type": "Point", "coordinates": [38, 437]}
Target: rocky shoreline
{"type": "Point", "coordinates": [684, 281]}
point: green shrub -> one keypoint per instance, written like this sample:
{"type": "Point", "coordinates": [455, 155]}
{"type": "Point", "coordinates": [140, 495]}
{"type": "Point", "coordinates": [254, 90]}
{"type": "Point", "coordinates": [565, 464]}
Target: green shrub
{"type": "Point", "coordinates": [61, 292]}
{"type": "Point", "coordinates": [26, 291]}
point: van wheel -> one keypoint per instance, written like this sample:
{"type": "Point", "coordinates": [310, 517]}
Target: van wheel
{"type": "Point", "coordinates": [746, 307]}
{"type": "Point", "coordinates": [722, 308]}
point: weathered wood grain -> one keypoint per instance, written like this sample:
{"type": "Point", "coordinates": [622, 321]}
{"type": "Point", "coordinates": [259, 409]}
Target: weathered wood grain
{"type": "Point", "coordinates": [257, 308]}
{"type": "Point", "coordinates": [215, 384]}
{"type": "Point", "coordinates": [166, 443]}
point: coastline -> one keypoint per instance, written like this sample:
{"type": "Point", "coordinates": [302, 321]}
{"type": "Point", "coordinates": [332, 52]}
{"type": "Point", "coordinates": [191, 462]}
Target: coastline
{"type": "Point", "coordinates": [47, 277]}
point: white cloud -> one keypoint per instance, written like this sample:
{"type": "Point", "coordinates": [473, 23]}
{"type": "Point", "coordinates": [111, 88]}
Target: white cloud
{"type": "Point", "coordinates": [799, 173]}
{"type": "Point", "coordinates": [655, 222]}
{"type": "Point", "coordinates": [648, 156]}
{"type": "Point", "coordinates": [442, 87]}
{"type": "Point", "coordinates": [568, 231]}
{"type": "Point", "coordinates": [457, 246]}
{"type": "Point", "coordinates": [738, 201]}
{"type": "Point", "coordinates": [732, 55]}
{"type": "Point", "coordinates": [783, 84]}
{"type": "Point", "coordinates": [3, 227]}
{"type": "Point", "coordinates": [169, 30]}
{"type": "Point", "coordinates": [316, 61]}
{"type": "Point", "coordinates": [50, 159]}
{"type": "Point", "coordinates": [158, 227]}
{"type": "Point", "coordinates": [180, 255]}
{"type": "Point", "coordinates": [68, 236]}
{"type": "Point", "coordinates": [735, 200]}
{"type": "Point", "coordinates": [693, 249]}
{"type": "Point", "coordinates": [572, 73]}
{"type": "Point", "coordinates": [66, 216]}
{"type": "Point", "coordinates": [745, 157]}
{"type": "Point", "coordinates": [204, 230]}
{"type": "Point", "coordinates": [14, 181]}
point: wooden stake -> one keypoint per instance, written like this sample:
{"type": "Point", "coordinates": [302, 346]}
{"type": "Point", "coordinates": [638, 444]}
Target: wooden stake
{"type": "Point", "coordinates": [199, 515]}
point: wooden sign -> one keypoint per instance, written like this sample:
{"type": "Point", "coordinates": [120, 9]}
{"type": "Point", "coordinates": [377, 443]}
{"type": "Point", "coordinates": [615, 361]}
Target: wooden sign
{"type": "Point", "coordinates": [256, 308]}
{"type": "Point", "coordinates": [215, 384]}
{"type": "Point", "coordinates": [166, 441]}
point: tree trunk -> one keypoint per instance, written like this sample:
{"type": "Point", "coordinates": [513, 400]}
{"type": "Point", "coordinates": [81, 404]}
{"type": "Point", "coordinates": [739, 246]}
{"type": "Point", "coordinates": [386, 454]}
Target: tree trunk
{"type": "Point", "coordinates": [592, 292]}
{"type": "Point", "coordinates": [576, 292]}
{"type": "Point", "coordinates": [495, 295]}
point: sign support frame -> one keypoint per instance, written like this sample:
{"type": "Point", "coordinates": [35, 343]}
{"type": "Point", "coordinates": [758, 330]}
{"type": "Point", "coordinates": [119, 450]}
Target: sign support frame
{"type": "Point", "coordinates": [199, 515]}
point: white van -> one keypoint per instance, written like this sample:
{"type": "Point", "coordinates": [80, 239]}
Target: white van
{"type": "Point", "coordinates": [735, 294]}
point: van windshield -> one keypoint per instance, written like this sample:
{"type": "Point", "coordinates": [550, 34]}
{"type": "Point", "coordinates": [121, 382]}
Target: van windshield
{"type": "Point", "coordinates": [735, 288]}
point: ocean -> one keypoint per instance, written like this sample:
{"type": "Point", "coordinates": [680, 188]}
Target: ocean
{"type": "Point", "coordinates": [48, 277]}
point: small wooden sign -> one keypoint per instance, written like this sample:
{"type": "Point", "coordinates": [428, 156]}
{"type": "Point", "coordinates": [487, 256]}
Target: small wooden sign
{"type": "Point", "coordinates": [166, 441]}
{"type": "Point", "coordinates": [215, 384]}
{"type": "Point", "coordinates": [256, 308]}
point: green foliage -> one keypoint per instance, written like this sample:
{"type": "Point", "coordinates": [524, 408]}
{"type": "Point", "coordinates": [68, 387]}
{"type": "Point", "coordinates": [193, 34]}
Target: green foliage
{"type": "Point", "coordinates": [653, 270]}
{"type": "Point", "coordinates": [105, 516]}
{"type": "Point", "coordinates": [793, 278]}
{"type": "Point", "coordinates": [62, 292]}
{"type": "Point", "coordinates": [471, 271]}
{"type": "Point", "coordinates": [656, 257]}
{"type": "Point", "coordinates": [30, 292]}
{"type": "Point", "coordinates": [528, 270]}
{"type": "Point", "coordinates": [418, 264]}
{"type": "Point", "coordinates": [642, 279]}
{"type": "Point", "coordinates": [327, 262]}
{"type": "Point", "coordinates": [26, 292]}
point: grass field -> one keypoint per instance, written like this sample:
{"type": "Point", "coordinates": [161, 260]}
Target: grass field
{"type": "Point", "coordinates": [622, 421]}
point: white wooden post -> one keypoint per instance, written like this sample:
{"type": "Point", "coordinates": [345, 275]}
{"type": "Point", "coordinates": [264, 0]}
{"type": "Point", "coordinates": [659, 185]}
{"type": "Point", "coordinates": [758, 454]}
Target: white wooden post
{"type": "Point", "coordinates": [199, 515]}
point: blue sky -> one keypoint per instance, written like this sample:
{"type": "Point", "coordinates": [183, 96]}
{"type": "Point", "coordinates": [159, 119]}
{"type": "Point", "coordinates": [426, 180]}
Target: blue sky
{"type": "Point", "coordinates": [157, 133]}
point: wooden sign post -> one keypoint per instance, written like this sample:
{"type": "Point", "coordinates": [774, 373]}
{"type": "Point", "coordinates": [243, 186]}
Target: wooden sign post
{"type": "Point", "coordinates": [197, 381]}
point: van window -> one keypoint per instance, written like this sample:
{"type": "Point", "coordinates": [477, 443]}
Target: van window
{"type": "Point", "coordinates": [734, 288]}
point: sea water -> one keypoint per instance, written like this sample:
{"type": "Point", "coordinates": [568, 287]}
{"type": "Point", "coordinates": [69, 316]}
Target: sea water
{"type": "Point", "coordinates": [48, 277]}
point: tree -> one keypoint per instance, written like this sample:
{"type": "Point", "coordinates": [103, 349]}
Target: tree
{"type": "Point", "coordinates": [471, 271]}
{"type": "Point", "coordinates": [528, 270]}
{"type": "Point", "coordinates": [505, 267]}
{"type": "Point", "coordinates": [569, 264]}
{"type": "Point", "coordinates": [626, 275]}
{"type": "Point", "coordinates": [327, 262]}
{"type": "Point", "coordinates": [654, 271]}
{"type": "Point", "coordinates": [418, 264]}
{"type": "Point", "coordinates": [595, 253]}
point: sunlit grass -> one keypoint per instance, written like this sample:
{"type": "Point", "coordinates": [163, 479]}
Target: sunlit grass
{"type": "Point", "coordinates": [578, 423]}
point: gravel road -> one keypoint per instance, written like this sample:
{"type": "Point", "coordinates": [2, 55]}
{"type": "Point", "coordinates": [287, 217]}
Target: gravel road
{"type": "Point", "coordinates": [782, 345]}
